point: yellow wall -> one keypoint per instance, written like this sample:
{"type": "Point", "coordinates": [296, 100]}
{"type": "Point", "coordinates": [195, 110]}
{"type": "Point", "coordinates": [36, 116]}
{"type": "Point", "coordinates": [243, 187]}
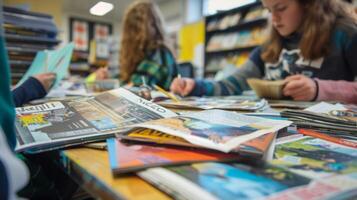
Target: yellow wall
{"type": "Point", "coordinates": [190, 36]}
{"type": "Point", "coordinates": [54, 8]}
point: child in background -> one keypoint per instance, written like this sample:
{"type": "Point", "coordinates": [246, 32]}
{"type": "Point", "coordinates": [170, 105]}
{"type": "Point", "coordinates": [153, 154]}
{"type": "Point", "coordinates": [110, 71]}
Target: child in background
{"type": "Point", "coordinates": [143, 47]}
{"type": "Point", "coordinates": [144, 54]}
{"type": "Point", "coordinates": [309, 41]}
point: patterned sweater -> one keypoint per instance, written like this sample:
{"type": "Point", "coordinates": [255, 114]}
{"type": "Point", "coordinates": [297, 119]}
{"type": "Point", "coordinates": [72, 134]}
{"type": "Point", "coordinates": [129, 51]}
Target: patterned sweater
{"type": "Point", "coordinates": [158, 67]}
{"type": "Point", "coordinates": [339, 64]}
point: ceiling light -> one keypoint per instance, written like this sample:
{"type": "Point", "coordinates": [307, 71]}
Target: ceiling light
{"type": "Point", "coordinates": [101, 8]}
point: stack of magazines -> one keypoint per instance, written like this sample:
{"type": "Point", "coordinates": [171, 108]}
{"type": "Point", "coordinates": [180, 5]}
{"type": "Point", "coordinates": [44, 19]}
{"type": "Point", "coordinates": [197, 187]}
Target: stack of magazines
{"type": "Point", "coordinates": [211, 135]}
{"type": "Point", "coordinates": [26, 33]}
{"type": "Point", "coordinates": [324, 123]}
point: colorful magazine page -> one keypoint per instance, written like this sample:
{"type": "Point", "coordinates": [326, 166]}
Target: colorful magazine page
{"type": "Point", "coordinates": [216, 129]}
{"type": "Point", "coordinates": [257, 147]}
{"type": "Point", "coordinates": [205, 103]}
{"type": "Point", "coordinates": [129, 157]}
{"type": "Point", "coordinates": [222, 181]}
{"type": "Point", "coordinates": [315, 158]}
{"type": "Point", "coordinates": [154, 136]}
{"type": "Point", "coordinates": [56, 61]}
{"type": "Point", "coordinates": [83, 119]}
{"type": "Point", "coordinates": [333, 187]}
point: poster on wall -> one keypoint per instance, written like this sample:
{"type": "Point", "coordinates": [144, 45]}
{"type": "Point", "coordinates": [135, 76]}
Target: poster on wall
{"type": "Point", "coordinates": [80, 35]}
{"type": "Point", "coordinates": [101, 32]}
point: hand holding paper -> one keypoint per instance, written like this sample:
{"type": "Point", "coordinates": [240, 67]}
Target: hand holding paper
{"type": "Point", "coordinates": [46, 79]}
{"type": "Point", "coordinates": [53, 61]}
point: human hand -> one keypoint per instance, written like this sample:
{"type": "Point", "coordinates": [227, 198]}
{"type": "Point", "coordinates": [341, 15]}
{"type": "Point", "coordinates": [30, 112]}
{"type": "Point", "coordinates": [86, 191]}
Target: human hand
{"type": "Point", "coordinates": [300, 88]}
{"type": "Point", "coordinates": [46, 79]}
{"type": "Point", "coordinates": [182, 86]}
{"type": "Point", "coordinates": [102, 73]}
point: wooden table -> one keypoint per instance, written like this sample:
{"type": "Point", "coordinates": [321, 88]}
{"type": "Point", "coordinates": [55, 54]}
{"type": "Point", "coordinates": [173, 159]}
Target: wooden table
{"type": "Point", "coordinates": [90, 168]}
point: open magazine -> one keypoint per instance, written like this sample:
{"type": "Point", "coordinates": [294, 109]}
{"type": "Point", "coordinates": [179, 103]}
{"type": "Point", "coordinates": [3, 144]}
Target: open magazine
{"type": "Point", "coordinates": [212, 181]}
{"type": "Point", "coordinates": [315, 158]}
{"type": "Point", "coordinates": [127, 157]}
{"type": "Point", "coordinates": [215, 129]}
{"type": "Point", "coordinates": [224, 103]}
{"type": "Point", "coordinates": [258, 147]}
{"type": "Point", "coordinates": [222, 181]}
{"type": "Point", "coordinates": [61, 123]}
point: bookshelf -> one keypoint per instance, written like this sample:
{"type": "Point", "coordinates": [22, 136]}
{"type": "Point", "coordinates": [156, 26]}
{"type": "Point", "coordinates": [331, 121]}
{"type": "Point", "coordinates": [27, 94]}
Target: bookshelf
{"type": "Point", "coordinates": [231, 35]}
{"type": "Point", "coordinates": [92, 48]}
{"type": "Point", "coordinates": [26, 33]}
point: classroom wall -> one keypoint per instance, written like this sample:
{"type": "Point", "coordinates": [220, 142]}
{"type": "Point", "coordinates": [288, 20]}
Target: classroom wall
{"type": "Point", "coordinates": [191, 44]}
{"type": "Point", "coordinates": [173, 13]}
{"type": "Point", "coordinates": [68, 14]}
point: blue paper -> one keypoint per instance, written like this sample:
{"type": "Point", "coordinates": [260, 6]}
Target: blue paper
{"type": "Point", "coordinates": [57, 62]}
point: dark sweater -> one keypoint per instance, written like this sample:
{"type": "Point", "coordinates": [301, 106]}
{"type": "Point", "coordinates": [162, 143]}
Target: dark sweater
{"type": "Point", "coordinates": [30, 90]}
{"type": "Point", "coordinates": [339, 64]}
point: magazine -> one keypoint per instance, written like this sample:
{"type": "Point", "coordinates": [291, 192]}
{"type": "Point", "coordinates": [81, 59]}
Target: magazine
{"type": "Point", "coordinates": [332, 188]}
{"type": "Point", "coordinates": [215, 129]}
{"type": "Point", "coordinates": [129, 157]}
{"type": "Point", "coordinates": [322, 123]}
{"type": "Point", "coordinates": [78, 120]}
{"type": "Point", "coordinates": [222, 181]}
{"type": "Point", "coordinates": [257, 147]}
{"type": "Point", "coordinates": [315, 158]}
{"type": "Point", "coordinates": [224, 103]}
{"type": "Point", "coordinates": [325, 118]}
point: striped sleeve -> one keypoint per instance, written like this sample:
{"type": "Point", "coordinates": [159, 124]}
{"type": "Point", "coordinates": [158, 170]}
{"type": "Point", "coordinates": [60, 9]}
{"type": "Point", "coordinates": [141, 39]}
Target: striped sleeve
{"type": "Point", "coordinates": [232, 85]}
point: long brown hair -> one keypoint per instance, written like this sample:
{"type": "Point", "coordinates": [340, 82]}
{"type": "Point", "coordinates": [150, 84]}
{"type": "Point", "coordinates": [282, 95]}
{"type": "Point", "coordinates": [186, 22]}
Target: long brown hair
{"type": "Point", "coordinates": [142, 31]}
{"type": "Point", "coordinates": [320, 18]}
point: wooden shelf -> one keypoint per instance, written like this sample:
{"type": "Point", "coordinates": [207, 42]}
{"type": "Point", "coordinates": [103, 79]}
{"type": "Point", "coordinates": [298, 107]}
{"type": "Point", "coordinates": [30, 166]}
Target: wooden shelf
{"type": "Point", "coordinates": [242, 25]}
{"type": "Point", "coordinates": [235, 10]}
{"type": "Point", "coordinates": [226, 51]}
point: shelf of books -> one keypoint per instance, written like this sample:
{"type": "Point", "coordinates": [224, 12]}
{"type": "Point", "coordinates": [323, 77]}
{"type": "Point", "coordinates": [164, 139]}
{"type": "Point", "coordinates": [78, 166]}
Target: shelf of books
{"type": "Point", "coordinates": [231, 35]}
{"type": "Point", "coordinates": [26, 33]}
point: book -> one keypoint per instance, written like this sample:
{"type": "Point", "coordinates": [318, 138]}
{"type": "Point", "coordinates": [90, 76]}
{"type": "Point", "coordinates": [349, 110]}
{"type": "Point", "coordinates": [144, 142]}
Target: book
{"type": "Point", "coordinates": [57, 124]}
{"type": "Point", "coordinates": [267, 89]}
{"type": "Point", "coordinates": [31, 39]}
{"type": "Point", "coordinates": [315, 158]}
{"type": "Point", "coordinates": [224, 103]}
{"type": "Point", "coordinates": [130, 157]}
{"type": "Point", "coordinates": [215, 129]}
{"type": "Point", "coordinates": [56, 61]}
{"type": "Point", "coordinates": [257, 148]}
{"type": "Point", "coordinates": [222, 181]}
